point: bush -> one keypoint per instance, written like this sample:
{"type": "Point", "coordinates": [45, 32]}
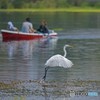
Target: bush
{"type": "Point", "coordinates": [97, 5]}
{"type": "Point", "coordinates": [85, 4]}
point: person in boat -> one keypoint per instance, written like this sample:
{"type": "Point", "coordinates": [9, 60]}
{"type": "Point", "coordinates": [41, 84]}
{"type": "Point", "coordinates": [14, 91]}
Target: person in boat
{"type": "Point", "coordinates": [11, 26]}
{"type": "Point", "coordinates": [27, 26]}
{"type": "Point", "coordinates": [43, 27]}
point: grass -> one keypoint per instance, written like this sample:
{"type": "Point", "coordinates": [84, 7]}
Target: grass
{"type": "Point", "coordinates": [72, 9]}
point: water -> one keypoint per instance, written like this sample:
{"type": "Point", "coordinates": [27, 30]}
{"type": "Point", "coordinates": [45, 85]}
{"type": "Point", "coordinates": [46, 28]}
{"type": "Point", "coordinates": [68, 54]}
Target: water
{"type": "Point", "coordinates": [24, 58]}
{"type": "Point", "coordinates": [22, 62]}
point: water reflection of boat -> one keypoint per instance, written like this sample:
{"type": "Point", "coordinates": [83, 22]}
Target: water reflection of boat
{"type": "Point", "coordinates": [20, 48]}
{"type": "Point", "coordinates": [26, 58]}
{"type": "Point", "coordinates": [27, 47]}
{"type": "Point", "coordinates": [48, 42]}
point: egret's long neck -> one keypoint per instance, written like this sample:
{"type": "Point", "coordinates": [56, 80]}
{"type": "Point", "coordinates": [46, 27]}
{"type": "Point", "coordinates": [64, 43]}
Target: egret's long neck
{"type": "Point", "coordinates": [65, 52]}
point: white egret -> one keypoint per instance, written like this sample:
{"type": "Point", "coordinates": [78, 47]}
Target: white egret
{"type": "Point", "coordinates": [58, 61]}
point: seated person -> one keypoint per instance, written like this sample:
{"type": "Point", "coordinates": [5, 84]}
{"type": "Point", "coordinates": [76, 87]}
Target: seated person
{"type": "Point", "coordinates": [27, 26]}
{"type": "Point", "coordinates": [43, 27]}
{"type": "Point", "coordinates": [11, 26]}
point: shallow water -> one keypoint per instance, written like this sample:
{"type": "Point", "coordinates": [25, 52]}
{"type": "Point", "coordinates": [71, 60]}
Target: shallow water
{"type": "Point", "coordinates": [25, 59]}
{"type": "Point", "coordinates": [22, 64]}
{"type": "Point", "coordinates": [38, 90]}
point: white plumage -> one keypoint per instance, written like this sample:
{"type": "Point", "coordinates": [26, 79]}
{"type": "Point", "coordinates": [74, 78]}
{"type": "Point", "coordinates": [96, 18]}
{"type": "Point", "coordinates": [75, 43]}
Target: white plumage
{"type": "Point", "coordinates": [58, 61]}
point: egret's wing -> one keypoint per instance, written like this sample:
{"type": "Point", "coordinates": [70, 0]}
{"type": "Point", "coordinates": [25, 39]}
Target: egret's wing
{"type": "Point", "coordinates": [53, 61]}
{"type": "Point", "coordinates": [67, 63]}
{"type": "Point", "coordinates": [58, 60]}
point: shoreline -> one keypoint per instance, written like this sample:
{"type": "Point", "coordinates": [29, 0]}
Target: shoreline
{"type": "Point", "coordinates": [72, 88]}
{"type": "Point", "coordinates": [73, 9]}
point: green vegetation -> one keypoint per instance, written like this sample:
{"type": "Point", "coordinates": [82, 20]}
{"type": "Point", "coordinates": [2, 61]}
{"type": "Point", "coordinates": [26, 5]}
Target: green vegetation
{"type": "Point", "coordinates": [72, 9]}
{"type": "Point", "coordinates": [50, 5]}
{"type": "Point", "coordinates": [8, 4]}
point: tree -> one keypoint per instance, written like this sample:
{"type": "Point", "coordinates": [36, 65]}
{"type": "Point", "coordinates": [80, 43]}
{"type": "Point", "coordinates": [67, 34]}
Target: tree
{"type": "Point", "coordinates": [61, 3]}
{"type": "Point", "coordinates": [4, 4]}
{"type": "Point", "coordinates": [18, 3]}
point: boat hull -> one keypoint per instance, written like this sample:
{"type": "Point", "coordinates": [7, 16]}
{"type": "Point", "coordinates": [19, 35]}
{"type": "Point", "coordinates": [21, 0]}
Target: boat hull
{"type": "Point", "coordinates": [15, 35]}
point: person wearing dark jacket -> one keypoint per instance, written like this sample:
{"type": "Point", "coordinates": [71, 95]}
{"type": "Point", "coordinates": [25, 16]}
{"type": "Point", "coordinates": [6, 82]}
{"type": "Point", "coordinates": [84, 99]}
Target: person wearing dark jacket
{"type": "Point", "coordinates": [43, 27]}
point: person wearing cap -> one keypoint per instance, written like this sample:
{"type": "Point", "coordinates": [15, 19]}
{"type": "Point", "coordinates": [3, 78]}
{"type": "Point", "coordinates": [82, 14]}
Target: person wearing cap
{"type": "Point", "coordinates": [27, 26]}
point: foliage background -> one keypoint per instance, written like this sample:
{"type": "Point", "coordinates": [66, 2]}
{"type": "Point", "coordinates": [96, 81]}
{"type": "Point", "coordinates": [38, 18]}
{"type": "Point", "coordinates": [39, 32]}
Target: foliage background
{"type": "Point", "coordinates": [12, 4]}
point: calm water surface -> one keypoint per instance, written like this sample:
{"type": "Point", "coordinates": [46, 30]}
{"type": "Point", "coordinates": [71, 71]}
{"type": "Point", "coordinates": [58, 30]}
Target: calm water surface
{"type": "Point", "coordinates": [24, 60]}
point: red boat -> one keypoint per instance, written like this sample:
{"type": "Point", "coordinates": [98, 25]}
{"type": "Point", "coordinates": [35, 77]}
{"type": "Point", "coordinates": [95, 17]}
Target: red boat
{"type": "Point", "coordinates": [18, 35]}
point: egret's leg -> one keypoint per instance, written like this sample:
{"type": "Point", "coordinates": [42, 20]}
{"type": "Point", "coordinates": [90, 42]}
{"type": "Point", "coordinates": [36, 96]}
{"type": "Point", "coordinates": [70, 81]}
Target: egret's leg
{"type": "Point", "coordinates": [46, 69]}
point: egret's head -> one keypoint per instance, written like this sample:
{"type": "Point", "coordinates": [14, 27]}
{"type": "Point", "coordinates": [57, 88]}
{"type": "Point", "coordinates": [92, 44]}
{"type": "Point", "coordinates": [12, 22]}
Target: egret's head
{"type": "Point", "coordinates": [67, 45]}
